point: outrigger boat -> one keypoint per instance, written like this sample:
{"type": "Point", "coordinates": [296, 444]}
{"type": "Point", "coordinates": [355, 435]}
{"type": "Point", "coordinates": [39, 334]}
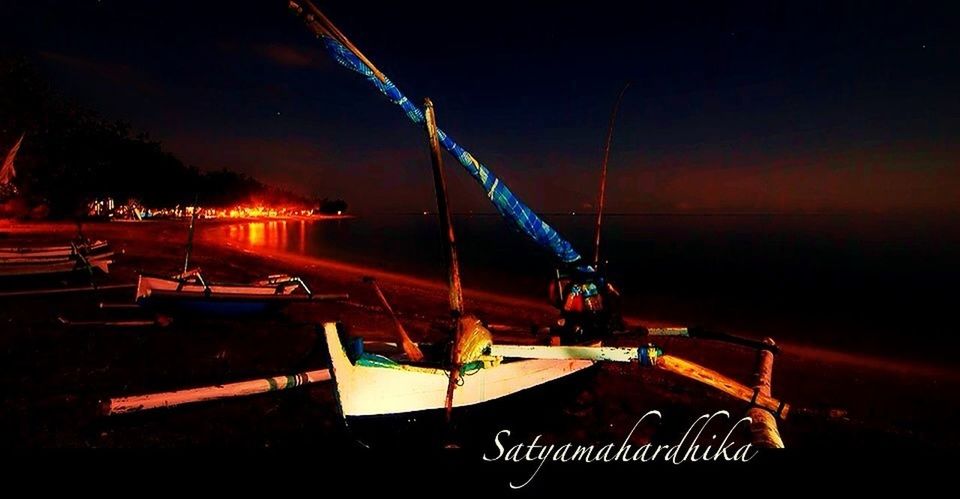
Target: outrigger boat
{"type": "Point", "coordinates": [190, 292]}
{"type": "Point", "coordinates": [69, 266]}
{"type": "Point", "coordinates": [370, 385]}
{"type": "Point", "coordinates": [56, 260]}
{"type": "Point", "coordinates": [61, 252]}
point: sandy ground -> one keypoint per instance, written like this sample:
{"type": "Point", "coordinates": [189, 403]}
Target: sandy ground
{"type": "Point", "coordinates": [52, 375]}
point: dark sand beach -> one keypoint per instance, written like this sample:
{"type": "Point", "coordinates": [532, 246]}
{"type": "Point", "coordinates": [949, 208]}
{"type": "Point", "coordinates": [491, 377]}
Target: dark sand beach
{"type": "Point", "coordinates": [53, 375]}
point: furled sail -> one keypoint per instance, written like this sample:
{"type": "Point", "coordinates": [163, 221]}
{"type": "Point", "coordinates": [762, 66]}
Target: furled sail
{"type": "Point", "coordinates": [499, 194]}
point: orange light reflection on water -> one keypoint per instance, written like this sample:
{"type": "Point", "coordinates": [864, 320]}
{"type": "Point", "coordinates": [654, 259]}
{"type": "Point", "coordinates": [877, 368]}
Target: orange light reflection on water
{"type": "Point", "coordinates": [277, 234]}
{"type": "Point", "coordinates": [256, 233]}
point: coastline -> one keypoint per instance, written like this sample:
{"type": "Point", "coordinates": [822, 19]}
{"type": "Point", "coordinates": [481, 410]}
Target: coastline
{"type": "Point", "coordinates": [843, 398]}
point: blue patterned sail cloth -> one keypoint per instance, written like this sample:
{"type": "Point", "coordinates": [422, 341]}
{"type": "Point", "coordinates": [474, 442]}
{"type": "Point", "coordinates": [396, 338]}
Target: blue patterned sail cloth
{"type": "Point", "coordinates": [506, 202]}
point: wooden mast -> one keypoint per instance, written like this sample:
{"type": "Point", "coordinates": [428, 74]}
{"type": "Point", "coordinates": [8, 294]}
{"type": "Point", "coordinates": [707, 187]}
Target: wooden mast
{"type": "Point", "coordinates": [322, 26]}
{"type": "Point", "coordinates": [450, 245]}
{"type": "Point", "coordinates": [603, 176]}
{"type": "Point", "coordinates": [443, 211]}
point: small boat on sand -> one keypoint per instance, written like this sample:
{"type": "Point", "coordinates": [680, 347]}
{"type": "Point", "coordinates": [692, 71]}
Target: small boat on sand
{"type": "Point", "coordinates": [78, 257]}
{"type": "Point", "coordinates": [90, 248]}
{"type": "Point", "coordinates": [190, 292]}
{"type": "Point", "coordinates": [369, 384]}
{"type": "Point", "coordinates": [45, 268]}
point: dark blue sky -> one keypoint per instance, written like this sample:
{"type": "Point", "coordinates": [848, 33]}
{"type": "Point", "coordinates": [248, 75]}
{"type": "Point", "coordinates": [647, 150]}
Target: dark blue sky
{"type": "Point", "coordinates": [805, 106]}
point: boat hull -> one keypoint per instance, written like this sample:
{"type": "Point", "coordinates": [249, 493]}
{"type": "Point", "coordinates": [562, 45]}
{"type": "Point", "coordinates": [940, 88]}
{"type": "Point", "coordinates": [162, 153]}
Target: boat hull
{"type": "Point", "coordinates": [51, 252]}
{"type": "Point", "coordinates": [376, 391]}
{"type": "Point", "coordinates": [45, 267]}
{"type": "Point", "coordinates": [217, 299]}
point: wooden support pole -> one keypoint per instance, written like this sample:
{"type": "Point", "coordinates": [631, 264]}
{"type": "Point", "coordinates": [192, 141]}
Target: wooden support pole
{"type": "Point", "coordinates": [118, 306]}
{"type": "Point", "coordinates": [669, 363]}
{"type": "Point", "coordinates": [600, 354]}
{"type": "Point", "coordinates": [136, 403]}
{"type": "Point", "coordinates": [723, 383]}
{"type": "Point", "coordinates": [409, 347]}
{"type": "Point", "coordinates": [58, 291]}
{"type": "Point", "coordinates": [763, 425]}
{"type": "Point", "coordinates": [111, 323]}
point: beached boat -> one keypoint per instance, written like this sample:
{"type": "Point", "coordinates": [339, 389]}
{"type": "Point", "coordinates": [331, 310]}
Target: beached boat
{"type": "Point", "coordinates": [476, 370]}
{"type": "Point", "coordinates": [370, 384]}
{"type": "Point", "coordinates": [56, 266]}
{"type": "Point", "coordinates": [375, 385]}
{"type": "Point", "coordinates": [62, 252]}
{"type": "Point", "coordinates": [77, 257]}
{"type": "Point", "coordinates": [190, 292]}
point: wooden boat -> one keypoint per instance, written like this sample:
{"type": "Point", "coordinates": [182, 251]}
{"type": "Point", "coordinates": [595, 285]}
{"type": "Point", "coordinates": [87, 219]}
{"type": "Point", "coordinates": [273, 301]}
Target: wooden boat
{"type": "Point", "coordinates": [190, 292]}
{"type": "Point", "coordinates": [370, 385]}
{"type": "Point", "coordinates": [33, 253]}
{"type": "Point", "coordinates": [476, 370]}
{"type": "Point", "coordinates": [80, 256]}
{"type": "Point", "coordinates": [45, 268]}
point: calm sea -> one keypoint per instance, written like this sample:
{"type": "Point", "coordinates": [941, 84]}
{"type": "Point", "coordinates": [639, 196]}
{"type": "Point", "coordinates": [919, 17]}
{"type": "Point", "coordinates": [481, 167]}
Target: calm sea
{"type": "Point", "coordinates": [860, 283]}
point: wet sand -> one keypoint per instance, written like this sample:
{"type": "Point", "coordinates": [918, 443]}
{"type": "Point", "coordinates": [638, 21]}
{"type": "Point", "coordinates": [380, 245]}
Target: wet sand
{"type": "Point", "coordinates": [52, 375]}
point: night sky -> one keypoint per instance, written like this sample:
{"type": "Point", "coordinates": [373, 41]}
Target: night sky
{"type": "Point", "coordinates": [807, 107]}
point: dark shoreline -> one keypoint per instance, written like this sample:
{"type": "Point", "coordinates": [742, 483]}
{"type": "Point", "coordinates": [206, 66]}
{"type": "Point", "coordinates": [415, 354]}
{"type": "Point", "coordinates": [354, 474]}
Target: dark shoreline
{"type": "Point", "coordinates": [48, 370]}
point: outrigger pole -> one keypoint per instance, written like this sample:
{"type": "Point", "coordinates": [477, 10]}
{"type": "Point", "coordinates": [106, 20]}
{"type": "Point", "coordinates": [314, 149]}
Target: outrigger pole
{"type": "Point", "coordinates": [648, 356]}
{"type": "Point", "coordinates": [58, 291]}
{"type": "Point", "coordinates": [136, 403]}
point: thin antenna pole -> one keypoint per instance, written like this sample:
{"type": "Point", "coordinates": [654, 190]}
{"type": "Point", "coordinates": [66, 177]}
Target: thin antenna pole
{"type": "Point", "coordinates": [603, 176]}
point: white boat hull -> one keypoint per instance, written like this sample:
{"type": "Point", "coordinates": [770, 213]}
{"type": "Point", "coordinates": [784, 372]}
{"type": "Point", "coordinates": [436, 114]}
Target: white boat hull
{"type": "Point", "coordinates": [50, 251]}
{"type": "Point", "coordinates": [370, 391]}
{"type": "Point", "coordinates": [40, 267]}
{"type": "Point", "coordinates": [149, 286]}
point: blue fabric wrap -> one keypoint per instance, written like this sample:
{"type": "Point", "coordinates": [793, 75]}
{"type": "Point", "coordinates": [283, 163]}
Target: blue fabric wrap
{"type": "Point", "coordinates": [502, 198]}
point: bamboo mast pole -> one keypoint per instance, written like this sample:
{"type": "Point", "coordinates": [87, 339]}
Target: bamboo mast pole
{"type": "Point", "coordinates": [450, 245]}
